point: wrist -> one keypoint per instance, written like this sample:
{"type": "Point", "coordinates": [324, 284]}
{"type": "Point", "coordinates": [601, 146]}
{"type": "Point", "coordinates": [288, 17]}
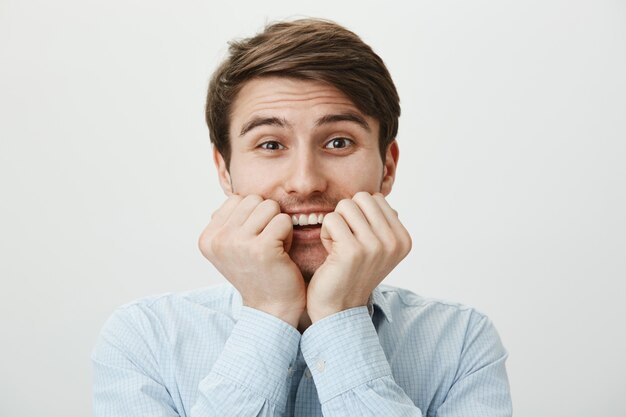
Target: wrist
{"type": "Point", "coordinates": [318, 310]}
{"type": "Point", "coordinates": [289, 313]}
{"type": "Point", "coordinates": [319, 313]}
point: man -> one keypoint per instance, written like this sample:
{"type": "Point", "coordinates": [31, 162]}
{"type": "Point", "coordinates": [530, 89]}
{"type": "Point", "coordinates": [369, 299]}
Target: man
{"type": "Point", "coordinates": [303, 118]}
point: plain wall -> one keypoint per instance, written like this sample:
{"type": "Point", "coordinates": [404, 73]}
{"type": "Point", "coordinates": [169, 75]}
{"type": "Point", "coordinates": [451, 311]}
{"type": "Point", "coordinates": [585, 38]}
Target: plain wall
{"type": "Point", "coordinates": [511, 178]}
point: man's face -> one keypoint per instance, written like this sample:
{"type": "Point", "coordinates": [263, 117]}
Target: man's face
{"type": "Point", "coordinates": [307, 146]}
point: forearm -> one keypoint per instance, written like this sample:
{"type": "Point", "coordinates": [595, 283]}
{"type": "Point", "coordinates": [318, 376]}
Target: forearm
{"type": "Point", "coordinates": [251, 376]}
{"type": "Point", "coordinates": [351, 372]}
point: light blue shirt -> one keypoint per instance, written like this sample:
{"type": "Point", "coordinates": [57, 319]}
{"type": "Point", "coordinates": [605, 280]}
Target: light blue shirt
{"type": "Point", "coordinates": [202, 354]}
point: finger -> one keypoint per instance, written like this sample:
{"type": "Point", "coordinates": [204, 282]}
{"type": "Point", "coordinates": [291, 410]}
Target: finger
{"type": "Point", "coordinates": [335, 230]}
{"type": "Point", "coordinates": [390, 214]}
{"type": "Point", "coordinates": [374, 215]}
{"type": "Point", "coordinates": [261, 216]}
{"type": "Point", "coordinates": [279, 229]}
{"type": "Point", "coordinates": [402, 235]}
{"type": "Point", "coordinates": [356, 221]}
{"type": "Point", "coordinates": [243, 210]}
{"type": "Point", "coordinates": [221, 215]}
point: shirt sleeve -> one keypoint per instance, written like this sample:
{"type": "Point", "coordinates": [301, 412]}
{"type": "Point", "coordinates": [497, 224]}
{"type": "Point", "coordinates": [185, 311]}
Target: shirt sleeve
{"type": "Point", "coordinates": [249, 377]}
{"type": "Point", "coordinates": [126, 380]}
{"type": "Point", "coordinates": [350, 370]}
{"type": "Point", "coordinates": [480, 387]}
{"type": "Point", "coordinates": [353, 377]}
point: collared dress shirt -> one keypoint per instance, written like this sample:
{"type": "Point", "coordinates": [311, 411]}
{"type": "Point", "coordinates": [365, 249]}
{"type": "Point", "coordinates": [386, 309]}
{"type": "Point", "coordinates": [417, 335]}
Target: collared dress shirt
{"type": "Point", "coordinates": [202, 353]}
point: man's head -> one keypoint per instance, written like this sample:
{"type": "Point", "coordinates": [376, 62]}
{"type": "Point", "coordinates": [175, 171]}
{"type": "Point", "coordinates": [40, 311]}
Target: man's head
{"type": "Point", "coordinates": [304, 114]}
{"type": "Point", "coordinates": [307, 49]}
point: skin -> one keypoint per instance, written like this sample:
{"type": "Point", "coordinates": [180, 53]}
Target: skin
{"type": "Point", "coordinates": [287, 158]}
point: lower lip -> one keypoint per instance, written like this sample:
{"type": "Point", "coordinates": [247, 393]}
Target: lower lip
{"type": "Point", "coordinates": [307, 234]}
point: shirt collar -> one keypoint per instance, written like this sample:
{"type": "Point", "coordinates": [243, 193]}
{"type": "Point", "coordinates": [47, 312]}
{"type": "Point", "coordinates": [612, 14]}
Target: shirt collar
{"type": "Point", "coordinates": [377, 301]}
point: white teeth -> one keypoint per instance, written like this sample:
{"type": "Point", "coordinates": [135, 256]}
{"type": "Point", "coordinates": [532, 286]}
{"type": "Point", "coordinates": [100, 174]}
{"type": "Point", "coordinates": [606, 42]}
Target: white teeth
{"type": "Point", "coordinates": [307, 219]}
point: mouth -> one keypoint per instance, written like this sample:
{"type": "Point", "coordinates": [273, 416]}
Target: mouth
{"type": "Point", "coordinates": [307, 226]}
{"type": "Point", "coordinates": [307, 219]}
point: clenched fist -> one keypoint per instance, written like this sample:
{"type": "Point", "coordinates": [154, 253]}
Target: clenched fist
{"type": "Point", "coordinates": [365, 240]}
{"type": "Point", "coordinates": [247, 240]}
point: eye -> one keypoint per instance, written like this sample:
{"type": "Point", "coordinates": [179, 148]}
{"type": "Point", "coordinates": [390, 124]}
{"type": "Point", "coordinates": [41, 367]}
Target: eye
{"type": "Point", "coordinates": [339, 143]}
{"type": "Point", "coordinates": [271, 145]}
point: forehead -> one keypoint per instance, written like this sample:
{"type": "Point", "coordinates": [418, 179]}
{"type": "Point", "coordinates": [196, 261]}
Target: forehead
{"type": "Point", "coordinates": [270, 94]}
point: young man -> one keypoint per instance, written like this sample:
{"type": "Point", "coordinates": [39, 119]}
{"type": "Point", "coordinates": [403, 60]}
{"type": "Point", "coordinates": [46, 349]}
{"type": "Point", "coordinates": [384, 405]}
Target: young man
{"type": "Point", "coordinates": [303, 118]}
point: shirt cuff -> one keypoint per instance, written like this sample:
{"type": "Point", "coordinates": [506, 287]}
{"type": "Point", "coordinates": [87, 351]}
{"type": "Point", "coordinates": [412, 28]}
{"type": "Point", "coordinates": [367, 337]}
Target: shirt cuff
{"type": "Point", "coordinates": [259, 353]}
{"type": "Point", "coordinates": [343, 352]}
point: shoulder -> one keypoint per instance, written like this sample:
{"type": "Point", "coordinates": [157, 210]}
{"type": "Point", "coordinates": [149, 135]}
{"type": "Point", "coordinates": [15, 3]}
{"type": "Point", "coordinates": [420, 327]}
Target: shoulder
{"type": "Point", "coordinates": [216, 299]}
{"type": "Point", "coordinates": [404, 300]}
{"type": "Point", "coordinates": [435, 319]}
{"type": "Point", "coordinates": [154, 319]}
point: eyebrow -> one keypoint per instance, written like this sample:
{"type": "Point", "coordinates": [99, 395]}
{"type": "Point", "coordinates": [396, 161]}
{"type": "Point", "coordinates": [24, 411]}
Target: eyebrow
{"type": "Point", "coordinates": [344, 117]}
{"type": "Point", "coordinates": [327, 119]}
{"type": "Point", "coordinates": [263, 121]}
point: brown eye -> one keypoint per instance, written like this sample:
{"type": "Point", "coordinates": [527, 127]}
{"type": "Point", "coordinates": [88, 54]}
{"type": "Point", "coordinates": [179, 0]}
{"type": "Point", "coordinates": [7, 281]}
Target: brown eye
{"type": "Point", "coordinates": [271, 145]}
{"type": "Point", "coordinates": [338, 143]}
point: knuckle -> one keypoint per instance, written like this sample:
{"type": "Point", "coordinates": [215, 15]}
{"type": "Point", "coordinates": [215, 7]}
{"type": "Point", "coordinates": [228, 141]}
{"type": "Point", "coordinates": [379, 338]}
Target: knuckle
{"type": "Point", "coordinates": [330, 217]}
{"type": "Point", "coordinates": [392, 245]}
{"type": "Point", "coordinates": [343, 205]}
{"type": "Point", "coordinates": [202, 244]}
{"type": "Point", "coordinates": [333, 215]}
{"type": "Point", "coordinates": [361, 195]}
{"type": "Point", "coordinates": [408, 243]}
{"type": "Point", "coordinates": [254, 198]}
{"type": "Point", "coordinates": [220, 242]}
{"type": "Point", "coordinates": [236, 197]}
{"type": "Point", "coordinates": [284, 219]}
{"type": "Point", "coordinates": [205, 241]}
{"type": "Point", "coordinates": [378, 197]}
{"type": "Point", "coordinates": [215, 245]}
{"type": "Point", "coordinates": [374, 246]}
{"type": "Point", "coordinates": [272, 205]}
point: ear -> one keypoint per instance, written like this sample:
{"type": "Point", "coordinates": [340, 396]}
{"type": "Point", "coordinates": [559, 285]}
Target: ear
{"type": "Point", "coordinates": [222, 172]}
{"type": "Point", "coordinates": [389, 170]}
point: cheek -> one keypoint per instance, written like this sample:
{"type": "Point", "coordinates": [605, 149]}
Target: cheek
{"type": "Point", "coordinates": [352, 178]}
{"type": "Point", "coordinates": [249, 178]}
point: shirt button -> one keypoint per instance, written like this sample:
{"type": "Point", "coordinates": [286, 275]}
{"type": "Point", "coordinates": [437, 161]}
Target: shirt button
{"type": "Point", "coordinates": [307, 373]}
{"type": "Point", "coordinates": [321, 365]}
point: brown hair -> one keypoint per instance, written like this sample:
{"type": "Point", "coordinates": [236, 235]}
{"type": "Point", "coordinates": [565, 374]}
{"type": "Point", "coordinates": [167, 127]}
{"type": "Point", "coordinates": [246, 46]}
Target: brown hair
{"type": "Point", "coordinates": [310, 49]}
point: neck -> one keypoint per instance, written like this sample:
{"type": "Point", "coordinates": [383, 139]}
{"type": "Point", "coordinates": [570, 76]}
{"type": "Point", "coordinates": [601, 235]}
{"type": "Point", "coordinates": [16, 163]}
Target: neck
{"type": "Point", "coordinates": [304, 322]}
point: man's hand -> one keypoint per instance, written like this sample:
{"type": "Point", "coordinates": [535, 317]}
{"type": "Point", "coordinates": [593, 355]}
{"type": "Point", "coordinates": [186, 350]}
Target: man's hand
{"type": "Point", "coordinates": [365, 241]}
{"type": "Point", "coordinates": [247, 240]}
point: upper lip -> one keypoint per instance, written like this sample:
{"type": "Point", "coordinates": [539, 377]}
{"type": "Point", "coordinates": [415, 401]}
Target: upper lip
{"type": "Point", "coordinates": [309, 211]}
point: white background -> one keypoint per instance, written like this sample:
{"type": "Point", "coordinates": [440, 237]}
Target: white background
{"type": "Point", "coordinates": [511, 177]}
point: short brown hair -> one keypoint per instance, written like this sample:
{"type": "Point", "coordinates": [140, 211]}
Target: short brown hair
{"type": "Point", "coordinates": [310, 49]}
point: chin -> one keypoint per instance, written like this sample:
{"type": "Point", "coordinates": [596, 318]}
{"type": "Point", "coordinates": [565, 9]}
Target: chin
{"type": "Point", "coordinates": [308, 257]}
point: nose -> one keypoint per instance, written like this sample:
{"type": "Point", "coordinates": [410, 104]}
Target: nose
{"type": "Point", "coordinates": [305, 175]}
